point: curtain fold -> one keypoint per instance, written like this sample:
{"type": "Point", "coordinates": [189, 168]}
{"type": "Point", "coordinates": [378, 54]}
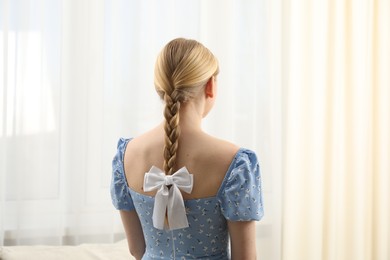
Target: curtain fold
{"type": "Point", "coordinates": [336, 149]}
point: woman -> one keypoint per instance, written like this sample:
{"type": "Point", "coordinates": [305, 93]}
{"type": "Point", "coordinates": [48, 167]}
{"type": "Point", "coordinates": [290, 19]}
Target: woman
{"type": "Point", "coordinates": [181, 192]}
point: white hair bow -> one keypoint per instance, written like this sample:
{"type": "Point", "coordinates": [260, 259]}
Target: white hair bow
{"type": "Point", "coordinates": [169, 200]}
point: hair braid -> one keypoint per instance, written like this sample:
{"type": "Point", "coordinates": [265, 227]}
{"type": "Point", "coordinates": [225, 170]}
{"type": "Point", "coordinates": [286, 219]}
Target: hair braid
{"type": "Point", "coordinates": [172, 130]}
{"type": "Point", "coordinates": [182, 69]}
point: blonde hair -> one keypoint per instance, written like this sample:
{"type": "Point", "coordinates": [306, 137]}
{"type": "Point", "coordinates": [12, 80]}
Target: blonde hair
{"type": "Point", "coordinates": [182, 69]}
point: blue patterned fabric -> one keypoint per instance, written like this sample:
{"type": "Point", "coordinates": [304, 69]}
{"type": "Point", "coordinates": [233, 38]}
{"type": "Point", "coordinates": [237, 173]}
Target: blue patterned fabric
{"type": "Point", "coordinates": [238, 199]}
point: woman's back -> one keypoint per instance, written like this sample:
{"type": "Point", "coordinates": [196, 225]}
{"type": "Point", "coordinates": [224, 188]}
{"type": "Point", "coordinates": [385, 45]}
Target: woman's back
{"type": "Point", "coordinates": [206, 157]}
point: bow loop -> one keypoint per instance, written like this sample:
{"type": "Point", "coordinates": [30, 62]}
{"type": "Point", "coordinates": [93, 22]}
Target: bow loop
{"type": "Point", "coordinates": [169, 201]}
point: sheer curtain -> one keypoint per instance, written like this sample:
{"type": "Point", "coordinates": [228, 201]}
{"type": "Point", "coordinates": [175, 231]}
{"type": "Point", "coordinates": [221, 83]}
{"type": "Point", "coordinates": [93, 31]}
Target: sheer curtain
{"type": "Point", "coordinates": [336, 125]}
{"type": "Point", "coordinates": [303, 83]}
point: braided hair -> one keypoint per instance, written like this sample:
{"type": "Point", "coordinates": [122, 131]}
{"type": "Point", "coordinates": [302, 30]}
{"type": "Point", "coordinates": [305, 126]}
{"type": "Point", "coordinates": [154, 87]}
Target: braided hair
{"type": "Point", "coordinates": [182, 69]}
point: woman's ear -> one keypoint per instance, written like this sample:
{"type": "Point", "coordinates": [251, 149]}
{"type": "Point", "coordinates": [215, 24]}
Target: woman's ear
{"type": "Point", "coordinates": [210, 88]}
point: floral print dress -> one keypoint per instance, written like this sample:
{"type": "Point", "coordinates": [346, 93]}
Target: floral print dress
{"type": "Point", "coordinates": [239, 198]}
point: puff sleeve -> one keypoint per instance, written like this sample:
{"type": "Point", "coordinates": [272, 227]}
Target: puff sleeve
{"type": "Point", "coordinates": [120, 194]}
{"type": "Point", "coordinates": [240, 195]}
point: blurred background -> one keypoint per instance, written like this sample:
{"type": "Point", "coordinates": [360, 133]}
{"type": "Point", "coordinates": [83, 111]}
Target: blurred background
{"type": "Point", "coordinates": [304, 83]}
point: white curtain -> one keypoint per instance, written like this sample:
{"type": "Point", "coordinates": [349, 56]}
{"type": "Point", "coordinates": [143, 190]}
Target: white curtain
{"type": "Point", "coordinates": [336, 127]}
{"type": "Point", "coordinates": [303, 83]}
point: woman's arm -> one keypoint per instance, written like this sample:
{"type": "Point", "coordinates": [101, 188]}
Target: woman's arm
{"type": "Point", "coordinates": [242, 239]}
{"type": "Point", "coordinates": [134, 234]}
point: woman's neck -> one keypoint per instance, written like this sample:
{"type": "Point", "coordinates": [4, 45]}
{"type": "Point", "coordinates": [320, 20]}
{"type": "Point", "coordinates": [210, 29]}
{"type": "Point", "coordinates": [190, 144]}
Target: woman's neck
{"type": "Point", "coordinates": [191, 116]}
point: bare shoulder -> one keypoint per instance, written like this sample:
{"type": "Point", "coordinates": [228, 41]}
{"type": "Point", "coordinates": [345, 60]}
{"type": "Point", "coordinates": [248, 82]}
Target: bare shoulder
{"type": "Point", "coordinates": [221, 150]}
{"type": "Point", "coordinates": [141, 153]}
{"type": "Point", "coordinates": [209, 160]}
{"type": "Point", "coordinates": [144, 143]}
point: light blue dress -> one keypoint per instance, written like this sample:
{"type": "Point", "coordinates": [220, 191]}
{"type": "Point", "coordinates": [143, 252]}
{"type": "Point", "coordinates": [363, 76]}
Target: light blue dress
{"type": "Point", "coordinates": [239, 198]}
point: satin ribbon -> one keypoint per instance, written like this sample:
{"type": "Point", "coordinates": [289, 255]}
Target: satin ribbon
{"type": "Point", "coordinates": [169, 201]}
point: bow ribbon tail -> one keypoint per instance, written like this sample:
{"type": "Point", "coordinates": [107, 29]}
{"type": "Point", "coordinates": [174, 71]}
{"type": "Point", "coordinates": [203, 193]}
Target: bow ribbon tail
{"type": "Point", "coordinates": [160, 207]}
{"type": "Point", "coordinates": [177, 217]}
